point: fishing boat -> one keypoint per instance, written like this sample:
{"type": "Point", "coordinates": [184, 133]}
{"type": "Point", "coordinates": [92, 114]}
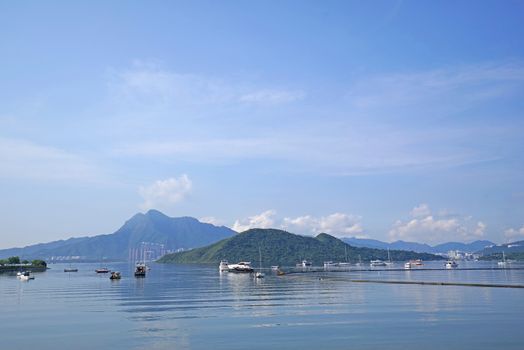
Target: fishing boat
{"type": "Point", "coordinates": [241, 267]}
{"type": "Point", "coordinates": [223, 267]}
{"type": "Point", "coordinates": [140, 270]}
{"type": "Point", "coordinates": [451, 264]}
{"type": "Point", "coordinates": [115, 275]}
{"type": "Point", "coordinates": [376, 263]}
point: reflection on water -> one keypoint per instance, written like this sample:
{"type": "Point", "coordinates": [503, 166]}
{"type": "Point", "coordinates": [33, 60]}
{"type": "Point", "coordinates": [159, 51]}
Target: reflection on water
{"type": "Point", "coordinates": [197, 307]}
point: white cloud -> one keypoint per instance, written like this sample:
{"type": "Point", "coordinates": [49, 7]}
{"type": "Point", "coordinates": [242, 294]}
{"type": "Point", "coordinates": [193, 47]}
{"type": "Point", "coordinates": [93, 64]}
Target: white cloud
{"type": "Point", "coordinates": [421, 211]}
{"type": "Point", "coordinates": [22, 159]}
{"type": "Point", "coordinates": [427, 228]}
{"type": "Point", "coordinates": [165, 192]}
{"type": "Point", "coordinates": [337, 224]}
{"type": "Point", "coordinates": [211, 220]}
{"type": "Point", "coordinates": [263, 220]}
{"type": "Point", "coordinates": [513, 235]}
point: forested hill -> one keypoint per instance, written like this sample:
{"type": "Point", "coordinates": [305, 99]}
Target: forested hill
{"type": "Point", "coordinates": [283, 248]}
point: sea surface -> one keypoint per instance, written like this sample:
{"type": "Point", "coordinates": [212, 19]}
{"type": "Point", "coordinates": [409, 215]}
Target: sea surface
{"type": "Point", "coordinates": [196, 307]}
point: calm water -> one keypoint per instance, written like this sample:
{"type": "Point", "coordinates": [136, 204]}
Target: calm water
{"type": "Point", "coordinates": [194, 307]}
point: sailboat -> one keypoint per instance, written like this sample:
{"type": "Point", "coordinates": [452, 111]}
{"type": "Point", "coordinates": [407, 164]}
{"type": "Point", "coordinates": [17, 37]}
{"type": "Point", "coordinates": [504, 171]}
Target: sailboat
{"type": "Point", "coordinates": [70, 269]}
{"type": "Point", "coordinates": [389, 262]}
{"type": "Point", "coordinates": [503, 263]}
{"type": "Point", "coordinates": [346, 263]}
{"type": "Point", "coordinates": [259, 274]}
{"type": "Point", "coordinates": [359, 261]}
{"type": "Point", "coordinates": [102, 269]}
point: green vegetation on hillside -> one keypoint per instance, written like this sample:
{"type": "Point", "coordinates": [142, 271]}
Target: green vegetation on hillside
{"type": "Point", "coordinates": [509, 256]}
{"type": "Point", "coordinates": [15, 260]}
{"type": "Point", "coordinates": [283, 248]}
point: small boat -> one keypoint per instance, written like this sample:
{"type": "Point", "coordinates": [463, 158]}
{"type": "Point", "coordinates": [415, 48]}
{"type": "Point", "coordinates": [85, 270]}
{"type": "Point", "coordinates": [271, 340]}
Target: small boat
{"type": "Point", "coordinates": [26, 276]}
{"type": "Point", "coordinates": [223, 267]}
{"type": "Point", "coordinates": [115, 275]}
{"type": "Point", "coordinates": [328, 264]}
{"type": "Point", "coordinates": [102, 270]}
{"type": "Point", "coordinates": [451, 264]}
{"type": "Point", "coordinates": [140, 270]}
{"type": "Point", "coordinates": [304, 264]}
{"type": "Point", "coordinates": [418, 262]}
{"type": "Point", "coordinates": [375, 263]}
{"type": "Point", "coordinates": [242, 267]}
{"type": "Point", "coordinates": [275, 267]}
{"type": "Point", "coordinates": [70, 270]}
{"type": "Point", "coordinates": [407, 265]}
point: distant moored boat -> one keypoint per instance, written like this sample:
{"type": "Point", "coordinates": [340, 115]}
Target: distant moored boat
{"type": "Point", "coordinates": [140, 270]}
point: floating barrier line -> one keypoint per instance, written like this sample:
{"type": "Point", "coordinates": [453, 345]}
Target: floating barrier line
{"type": "Point", "coordinates": [442, 283]}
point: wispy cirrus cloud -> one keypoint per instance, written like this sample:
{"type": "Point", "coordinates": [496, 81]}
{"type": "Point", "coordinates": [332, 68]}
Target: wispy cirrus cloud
{"type": "Point", "coordinates": [355, 144]}
{"type": "Point", "coordinates": [148, 83]}
{"type": "Point", "coordinates": [24, 159]}
{"type": "Point", "coordinates": [459, 86]}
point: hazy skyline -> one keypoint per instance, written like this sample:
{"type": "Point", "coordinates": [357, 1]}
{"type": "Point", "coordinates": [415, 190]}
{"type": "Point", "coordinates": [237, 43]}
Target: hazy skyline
{"type": "Point", "coordinates": [385, 119]}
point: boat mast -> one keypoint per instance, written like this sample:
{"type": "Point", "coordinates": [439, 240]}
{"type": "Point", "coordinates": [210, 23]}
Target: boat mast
{"type": "Point", "coordinates": [259, 260]}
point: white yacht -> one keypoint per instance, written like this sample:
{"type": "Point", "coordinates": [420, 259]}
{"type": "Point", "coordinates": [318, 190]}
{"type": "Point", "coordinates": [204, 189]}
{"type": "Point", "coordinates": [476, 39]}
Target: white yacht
{"type": "Point", "coordinates": [451, 264]}
{"type": "Point", "coordinates": [243, 266]}
{"type": "Point", "coordinates": [224, 266]}
{"type": "Point", "coordinates": [25, 276]}
{"type": "Point", "coordinates": [375, 263]}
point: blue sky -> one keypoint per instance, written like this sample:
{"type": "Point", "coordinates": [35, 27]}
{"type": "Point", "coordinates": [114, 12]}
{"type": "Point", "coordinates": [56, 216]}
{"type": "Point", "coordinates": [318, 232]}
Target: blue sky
{"type": "Point", "coordinates": [384, 119]}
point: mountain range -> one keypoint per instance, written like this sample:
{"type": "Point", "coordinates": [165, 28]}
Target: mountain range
{"type": "Point", "coordinates": [152, 230]}
{"type": "Point", "coordinates": [443, 248]}
{"type": "Point", "coordinates": [279, 247]}
{"type": "Point", "coordinates": [507, 248]}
